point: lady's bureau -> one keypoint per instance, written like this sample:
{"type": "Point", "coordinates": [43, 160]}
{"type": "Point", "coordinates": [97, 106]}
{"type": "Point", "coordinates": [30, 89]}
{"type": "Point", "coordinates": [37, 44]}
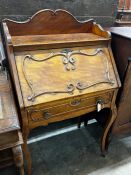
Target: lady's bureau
{"type": "Point", "coordinates": [61, 68]}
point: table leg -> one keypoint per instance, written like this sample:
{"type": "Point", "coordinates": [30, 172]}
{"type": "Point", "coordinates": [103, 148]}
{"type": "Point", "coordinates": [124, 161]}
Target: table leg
{"type": "Point", "coordinates": [106, 134]}
{"type": "Point", "coordinates": [18, 158]}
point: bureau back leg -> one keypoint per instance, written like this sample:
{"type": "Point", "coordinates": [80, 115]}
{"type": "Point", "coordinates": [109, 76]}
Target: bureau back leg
{"type": "Point", "coordinates": [107, 130]}
{"type": "Point", "coordinates": [27, 152]}
{"type": "Point", "coordinates": [85, 118]}
{"type": "Point", "coordinates": [25, 134]}
{"type": "Point", "coordinates": [18, 158]}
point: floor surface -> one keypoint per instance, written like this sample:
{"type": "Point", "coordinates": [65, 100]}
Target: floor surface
{"type": "Point", "coordinates": [77, 153]}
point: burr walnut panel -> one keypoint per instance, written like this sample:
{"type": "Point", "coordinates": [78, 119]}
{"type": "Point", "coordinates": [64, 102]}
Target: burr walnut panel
{"type": "Point", "coordinates": [48, 75]}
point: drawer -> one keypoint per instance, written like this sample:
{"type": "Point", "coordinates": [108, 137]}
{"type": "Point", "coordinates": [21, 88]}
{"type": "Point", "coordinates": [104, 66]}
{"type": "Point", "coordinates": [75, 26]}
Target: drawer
{"type": "Point", "coordinates": [72, 105]}
{"type": "Point", "coordinates": [10, 139]}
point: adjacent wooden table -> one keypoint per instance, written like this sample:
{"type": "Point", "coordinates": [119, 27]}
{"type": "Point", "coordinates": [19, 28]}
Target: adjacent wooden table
{"type": "Point", "coordinates": [61, 68]}
{"type": "Point", "coordinates": [121, 45]}
{"type": "Point", "coordinates": [10, 135]}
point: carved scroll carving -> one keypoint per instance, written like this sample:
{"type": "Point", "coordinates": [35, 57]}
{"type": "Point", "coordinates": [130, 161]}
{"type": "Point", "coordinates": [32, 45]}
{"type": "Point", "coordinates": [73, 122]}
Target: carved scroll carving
{"type": "Point", "coordinates": [69, 63]}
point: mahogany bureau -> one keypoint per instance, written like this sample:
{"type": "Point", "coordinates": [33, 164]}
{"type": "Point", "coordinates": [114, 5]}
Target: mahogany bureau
{"type": "Point", "coordinates": [61, 68]}
{"type": "Point", "coordinates": [10, 134]}
{"type": "Point", "coordinates": [121, 46]}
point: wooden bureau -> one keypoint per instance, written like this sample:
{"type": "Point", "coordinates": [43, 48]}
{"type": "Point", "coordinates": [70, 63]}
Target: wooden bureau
{"type": "Point", "coordinates": [121, 46]}
{"type": "Point", "coordinates": [61, 68]}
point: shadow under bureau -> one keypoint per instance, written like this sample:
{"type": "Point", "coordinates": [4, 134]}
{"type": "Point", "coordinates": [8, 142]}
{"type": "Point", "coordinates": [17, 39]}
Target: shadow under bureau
{"type": "Point", "coordinates": [61, 68]}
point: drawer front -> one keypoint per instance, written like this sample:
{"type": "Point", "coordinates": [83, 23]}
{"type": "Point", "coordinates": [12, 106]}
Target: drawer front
{"type": "Point", "coordinates": [72, 105]}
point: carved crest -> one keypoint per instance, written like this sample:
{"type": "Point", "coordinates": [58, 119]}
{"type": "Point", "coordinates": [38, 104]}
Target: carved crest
{"type": "Point", "coordinates": [47, 22]}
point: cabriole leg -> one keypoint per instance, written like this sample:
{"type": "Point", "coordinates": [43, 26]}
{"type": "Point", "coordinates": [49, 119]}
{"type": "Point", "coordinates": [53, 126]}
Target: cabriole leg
{"type": "Point", "coordinates": [106, 133]}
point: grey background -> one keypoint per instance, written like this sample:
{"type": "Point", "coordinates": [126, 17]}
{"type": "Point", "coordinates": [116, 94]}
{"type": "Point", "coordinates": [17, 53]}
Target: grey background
{"type": "Point", "coordinates": [103, 11]}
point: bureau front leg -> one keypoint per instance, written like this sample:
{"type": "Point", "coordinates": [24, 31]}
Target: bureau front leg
{"type": "Point", "coordinates": [26, 151]}
{"type": "Point", "coordinates": [25, 133]}
{"type": "Point", "coordinates": [106, 132]}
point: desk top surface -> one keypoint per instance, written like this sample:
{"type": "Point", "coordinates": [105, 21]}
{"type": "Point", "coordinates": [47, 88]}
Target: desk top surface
{"type": "Point", "coordinates": [8, 114]}
{"type": "Point", "coordinates": [121, 31]}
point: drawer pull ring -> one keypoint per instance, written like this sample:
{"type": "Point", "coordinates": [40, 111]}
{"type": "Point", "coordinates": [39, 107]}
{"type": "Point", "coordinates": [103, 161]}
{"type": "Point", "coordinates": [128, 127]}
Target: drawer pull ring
{"type": "Point", "coordinates": [75, 103]}
{"type": "Point", "coordinates": [99, 105]}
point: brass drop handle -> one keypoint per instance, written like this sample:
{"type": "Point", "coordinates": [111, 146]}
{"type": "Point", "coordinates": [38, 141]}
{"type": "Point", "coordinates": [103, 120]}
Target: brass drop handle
{"type": "Point", "coordinates": [99, 104]}
{"type": "Point", "coordinates": [75, 102]}
{"type": "Point", "coordinates": [46, 115]}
